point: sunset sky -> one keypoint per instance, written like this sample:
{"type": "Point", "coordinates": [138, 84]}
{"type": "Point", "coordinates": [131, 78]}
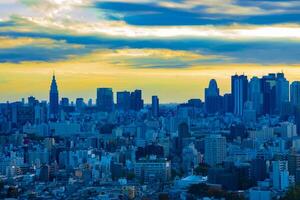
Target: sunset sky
{"type": "Point", "coordinates": [166, 48]}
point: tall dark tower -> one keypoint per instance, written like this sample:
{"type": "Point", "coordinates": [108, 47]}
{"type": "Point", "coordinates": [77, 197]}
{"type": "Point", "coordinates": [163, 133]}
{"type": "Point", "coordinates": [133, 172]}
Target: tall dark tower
{"type": "Point", "coordinates": [53, 98]}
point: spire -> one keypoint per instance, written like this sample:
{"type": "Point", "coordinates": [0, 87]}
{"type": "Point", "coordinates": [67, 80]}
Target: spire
{"type": "Point", "coordinates": [53, 97]}
{"type": "Point", "coordinates": [53, 87]}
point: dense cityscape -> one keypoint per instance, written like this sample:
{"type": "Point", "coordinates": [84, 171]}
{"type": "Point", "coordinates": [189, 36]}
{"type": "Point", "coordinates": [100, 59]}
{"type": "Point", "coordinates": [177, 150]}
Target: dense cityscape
{"type": "Point", "coordinates": [240, 145]}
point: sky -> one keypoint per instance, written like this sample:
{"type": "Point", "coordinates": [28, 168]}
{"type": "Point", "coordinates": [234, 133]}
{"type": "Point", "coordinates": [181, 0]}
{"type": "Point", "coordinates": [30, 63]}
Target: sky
{"type": "Point", "coordinates": [166, 48]}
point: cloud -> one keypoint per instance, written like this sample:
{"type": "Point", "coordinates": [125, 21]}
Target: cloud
{"type": "Point", "coordinates": [156, 58]}
{"type": "Point", "coordinates": [20, 49]}
{"type": "Point", "coordinates": [10, 42]}
{"type": "Point", "coordinates": [169, 27]}
{"type": "Point", "coordinates": [225, 7]}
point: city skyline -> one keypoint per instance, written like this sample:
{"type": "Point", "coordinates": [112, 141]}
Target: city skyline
{"type": "Point", "coordinates": [168, 48]}
{"type": "Point", "coordinates": [148, 97]}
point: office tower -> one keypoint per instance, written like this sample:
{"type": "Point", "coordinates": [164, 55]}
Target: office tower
{"type": "Point", "coordinates": [190, 158]}
{"type": "Point", "coordinates": [105, 99]}
{"type": "Point", "coordinates": [215, 149]}
{"type": "Point", "coordinates": [282, 91]}
{"type": "Point", "coordinates": [280, 175]}
{"type": "Point", "coordinates": [53, 99]}
{"type": "Point", "coordinates": [90, 102]}
{"type": "Point", "coordinates": [123, 100]}
{"type": "Point", "coordinates": [258, 169]}
{"type": "Point", "coordinates": [239, 91]}
{"type": "Point", "coordinates": [153, 170]}
{"type": "Point", "coordinates": [294, 165]}
{"type": "Point", "coordinates": [288, 130]}
{"type": "Point", "coordinates": [44, 173]}
{"type": "Point", "coordinates": [212, 97]}
{"type": "Point", "coordinates": [80, 104]}
{"type": "Point", "coordinates": [255, 94]}
{"type": "Point", "coordinates": [297, 119]}
{"type": "Point", "coordinates": [293, 162]}
{"type": "Point", "coordinates": [136, 101]}
{"type": "Point", "coordinates": [295, 93]}
{"type": "Point", "coordinates": [40, 113]}
{"type": "Point", "coordinates": [228, 103]}
{"type": "Point", "coordinates": [249, 113]}
{"type": "Point", "coordinates": [269, 93]}
{"type": "Point", "coordinates": [64, 102]}
{"type": "Point", "coordinates": [183, 130]}
{"type": "Point", "coordinates": [287, 109]}
{"type": "Point", "coordinates": [155, 106]}
{"type": "Point", "coordinates": [32, 101]}
{"type": "Point", "coordinates": [195, 103]}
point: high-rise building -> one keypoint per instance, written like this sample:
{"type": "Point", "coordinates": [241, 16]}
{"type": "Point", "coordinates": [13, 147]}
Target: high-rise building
{"type": "Point", "coordinates": [294, 165]}
{"type": "Point", "coordinates": [64, 102]}
{"type": "Point", "coordinates": [249, 113]}
{"type": "Point", "coordinates": [258, 169]}
{"type": "Point", "coordinates": [282, 91]}
{"type": "Point", "coordinates": [183, 130]}
{"type": "Point", "coordinates": [123, 100]}
{"type": "Point", "coordinates": [228, 103]}
{"type": "Point", "coordinates": [297, 119]}
{"type": "Point", "coordinates": [280, 175]}
{"type": "Point", "coordinates": [53, 98]}
{"type": "Point", "coordinates": [239, 91]}
{"type": "Point", "coordinates": [255, 94]}
{"type": "Point", "coordinates": [40, 113]}
{"type": "Point", "coordinates": [90, 102]}
{"type": "Point", "coordinates": [215, 149]}
{"type": "Point", "coordinates": [136, 101]}
{"type": "Point", "coordinates": [295, 93]}
{"type": "Point", "coordinates": [80, 104]}
{"type": "Point", "coordinates": [32, 101]}
{"type": "Point", "coordinates": [105, 99]}
{"type": "Point", "coordinates": [268, 83]}
{"type": "Point", "coordinates": [153, 170]}
{"type": "Point", "coordinates": [155, 106]}
{"type": "Point", "coordinates": [212, 97]}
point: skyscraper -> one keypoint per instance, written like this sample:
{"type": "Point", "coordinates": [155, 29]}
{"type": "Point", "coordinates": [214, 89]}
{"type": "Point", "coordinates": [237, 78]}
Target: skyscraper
{"type": "Point", "coordinates": [269, 93]}
{"type": "Point", "coordinates": [295, 93]}
{"type": "Point", "coordinates": [155, 106]}
{"type": "Point", "coordinates": [280, 175]}
{"type": "Point", "coordinates": [282, 91]}
{"type": "Point", "coordinates": [239, 91]}
{"type": "Point", "coordinates": [297, 118]}
{"type": "Point", "coordinates": [255, 94]}
{"type": "Point", "coordinates": [53, 98]}
{"type": "Point", "coordinates": [212, 97]}
{"type": "Point", "coordinates": [64, 102]}
{"type": "Point", "coordinates": [105, 99]}
{"type": "Point", "coordinates": [123, 100]}
{"type": "Point", "coordinates": [228, 103]}
{"type": "Point", "coordinates": [136, 101]}
{"type": "Point", "coordinates": [215, 149]}
{"type": "Point", "coordinates": [79, 104]}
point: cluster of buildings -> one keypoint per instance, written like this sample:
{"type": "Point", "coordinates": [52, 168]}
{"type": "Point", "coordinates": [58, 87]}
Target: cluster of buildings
{"type": "Point", "coordinates": [245, 142]}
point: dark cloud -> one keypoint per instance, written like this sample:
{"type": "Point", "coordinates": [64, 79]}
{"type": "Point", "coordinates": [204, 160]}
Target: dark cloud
{"type": "Point", "coordinates": [6, 23]}
{"type": "Point", "coordinates": [153, 15]}
{"type": "Point", "coordinates": [263, 52]}
{"type": "Point", "coordinates": [149, 14]}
